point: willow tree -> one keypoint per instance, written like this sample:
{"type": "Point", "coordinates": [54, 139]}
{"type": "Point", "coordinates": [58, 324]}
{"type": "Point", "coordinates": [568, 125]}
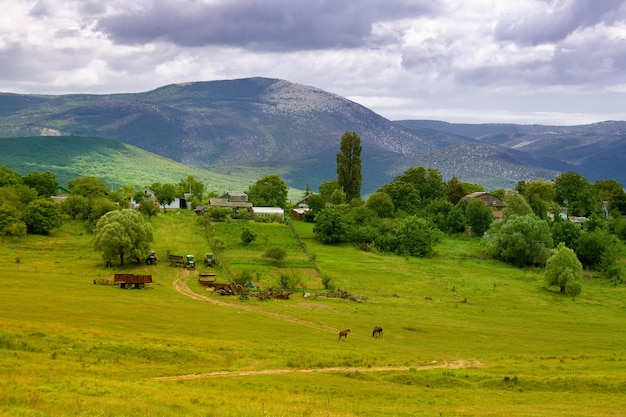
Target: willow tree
{"type": "Point", "coordinates": [349, 166]}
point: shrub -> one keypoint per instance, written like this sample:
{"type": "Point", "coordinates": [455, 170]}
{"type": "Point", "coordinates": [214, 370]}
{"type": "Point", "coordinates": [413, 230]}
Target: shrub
{"type": "Point", "coordinates": [275, 254]}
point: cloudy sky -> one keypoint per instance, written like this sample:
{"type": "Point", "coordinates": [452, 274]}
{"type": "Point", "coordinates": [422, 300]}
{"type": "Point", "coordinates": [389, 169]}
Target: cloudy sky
{"type": "Point", "coordinates": [473, 61]}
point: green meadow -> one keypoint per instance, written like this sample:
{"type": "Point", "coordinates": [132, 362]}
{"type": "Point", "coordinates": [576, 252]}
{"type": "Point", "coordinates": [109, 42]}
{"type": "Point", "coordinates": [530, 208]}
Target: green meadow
{"type": "Point", "coordinates": [464, 335]}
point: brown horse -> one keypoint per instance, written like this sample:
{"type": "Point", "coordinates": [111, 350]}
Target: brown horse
{"type": "Point", "coordinates": [378, 331]}
{"type": "Point", "coordinates": [344, 333]}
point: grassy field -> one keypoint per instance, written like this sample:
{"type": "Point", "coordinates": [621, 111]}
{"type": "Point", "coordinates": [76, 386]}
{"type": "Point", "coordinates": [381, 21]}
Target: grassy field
{"type": "Point", "coordinates": [463, 335]}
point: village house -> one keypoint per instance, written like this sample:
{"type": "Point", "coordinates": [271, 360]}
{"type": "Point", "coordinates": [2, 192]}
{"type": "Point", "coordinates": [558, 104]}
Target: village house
{"type": "Point", "coordinates": [490, 200]}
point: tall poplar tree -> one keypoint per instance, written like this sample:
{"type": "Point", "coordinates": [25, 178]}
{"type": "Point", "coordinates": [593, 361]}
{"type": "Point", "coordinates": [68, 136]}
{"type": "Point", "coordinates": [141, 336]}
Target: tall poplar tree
{"type": "Point", "coordinates": [349, 166]}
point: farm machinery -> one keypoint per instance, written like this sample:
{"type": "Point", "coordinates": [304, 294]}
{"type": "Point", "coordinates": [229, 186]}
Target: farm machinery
{"type": "Point", "coordinates": [186, 261]}
{"type": "Point", "coordinates": [132, 280]}
{"type": "Point", "coordinates": [152, 258]}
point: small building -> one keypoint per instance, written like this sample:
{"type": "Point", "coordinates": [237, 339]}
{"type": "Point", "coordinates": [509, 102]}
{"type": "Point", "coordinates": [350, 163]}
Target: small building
{"type": "Point", "coordinates": [269, 212]}
{"type": "Point", "coordinates": [233, 200]}
{"type": "Point", "coordinates": [490, 200]}
{"type": "Point", "coordinates": [60, 193]}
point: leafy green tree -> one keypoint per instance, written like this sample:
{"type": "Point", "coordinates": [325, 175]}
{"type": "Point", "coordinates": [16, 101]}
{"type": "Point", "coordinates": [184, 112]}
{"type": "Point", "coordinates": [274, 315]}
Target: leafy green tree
{"type": "Point", "coordinates": [269, 191]}
{"type": "Point", "coordinates": [595, 223]}
{"type": "Point", "coordinates": [192, 186]}
{"type": "Point", "coordinates": [148, 208]}
{"type": "Point", "coordinates": [574, 192]}
{"type": "Point", "coordinates": [381, 204]}
{"type": "Point", "coordinates": [122, 234]}
{"type": "Point", "coordinates": [88, 187]}
{"type": "Point", "coordinates": [23, 193]}
{"type": "Point", "coordinates": [479, 217]}
{"type": "Point", "coordinates": [76, 206]}
{"type": "Point", "coordinates": [455, 221]}
{"type": "Point", "coordinates": [164, 193]}
{"type": "Point", "coordinates": [595, 248]}
{"type": "Point", "coordinates": [539, 194]}
{"type": "Point", "coordinates": [515, 205]}
{"type": "Point", "coordinates": [41, 216]}
{"type": "Point", "coordinates": [10, 222]}
{"type": "Point", "coordinates": [416, 237]}
{"type": "Point", "coordinates": [613, 192]}
{"type": "Point", "coordinates": [521, 240]}
{"type": "Point", "coordinates": [331, 226]}
{"type": "Point", "coordinates": [316, 203]}
{"type": "Point", "coordinates": [565, 232]}
{"type": "Point", "coordinates": [247, 236]}
{"type": "Point", "coordinates": [349, 174]}
{"type": "Point", "coordinates": [454, 190]}
{"type": "Point", "coordinates": [471, 187]}
{"type": "Point", "coordinates": [564, 270]}
{"type": "Point", "coordinates": [44, 183]}
{"type": "Point", "coordinates": [327, 189]}
{"type": "Point", "coordinates": [9, 176]}
{"type": "Point", "coordinates": [99, 206]}
{"type": "Point", "coordinates": [404, 196]}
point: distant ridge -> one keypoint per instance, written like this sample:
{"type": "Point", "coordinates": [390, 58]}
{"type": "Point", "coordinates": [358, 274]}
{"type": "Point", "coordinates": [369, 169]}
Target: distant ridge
{"type": "Point", "coordinates": [272, 124]}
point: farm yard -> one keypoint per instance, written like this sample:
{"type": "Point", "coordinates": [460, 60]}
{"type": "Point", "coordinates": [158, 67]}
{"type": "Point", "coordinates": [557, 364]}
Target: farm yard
{"type": "Point", "coordinates": [463, 335]}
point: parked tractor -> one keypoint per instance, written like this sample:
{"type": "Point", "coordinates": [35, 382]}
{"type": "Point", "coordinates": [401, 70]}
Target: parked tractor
{"type": "Point", "coordinates": [186, 261]}
{"type": "Point", "coordinates": [152, 258]}
{"type": "Point", "coordinates": [209, 259]}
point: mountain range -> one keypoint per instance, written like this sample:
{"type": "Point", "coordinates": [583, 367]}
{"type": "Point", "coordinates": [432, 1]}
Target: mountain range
{"type": "Point", "coordinates": [271, 125]}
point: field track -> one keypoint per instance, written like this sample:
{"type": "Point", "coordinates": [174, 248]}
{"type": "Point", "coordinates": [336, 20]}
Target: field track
{"type": "Point", "coordinates": [445, 365]}
{"type": "Point", "coordinates": [181, 285]}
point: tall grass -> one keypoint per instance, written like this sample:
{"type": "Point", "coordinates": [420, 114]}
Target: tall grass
{"type": "Point", "coordinates": [69, 347]}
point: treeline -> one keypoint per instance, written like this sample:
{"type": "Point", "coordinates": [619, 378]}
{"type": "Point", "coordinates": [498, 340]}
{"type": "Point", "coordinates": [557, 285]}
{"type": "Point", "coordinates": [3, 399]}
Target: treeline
{"type": "Point", "coordinates": [409, 215]}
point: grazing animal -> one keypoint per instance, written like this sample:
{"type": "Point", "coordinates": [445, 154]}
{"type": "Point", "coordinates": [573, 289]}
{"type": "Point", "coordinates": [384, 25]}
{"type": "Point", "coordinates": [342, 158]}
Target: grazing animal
{"type": "Point", "coordinates": [344, 333]}
{"type": "Point", "coordinates": [378, 331]}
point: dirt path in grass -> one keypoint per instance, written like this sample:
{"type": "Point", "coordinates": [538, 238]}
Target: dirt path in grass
{"type": "Point", "coordinates": [444, 365]}
{"type": "Point", "coordinates": [181, 285]}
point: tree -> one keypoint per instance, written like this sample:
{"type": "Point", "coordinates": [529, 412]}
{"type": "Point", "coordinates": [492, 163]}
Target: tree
{"type": "Point", "coordinates": [269, 191]}
{"type": "Point", "coordinates": [327, 189]}
{"type": "Point", "coordinates": [564, 271]}
{"type": "Point", "coordinates": [164, 193]}
{"type": "Point", "coordinates": [479, 217]}
{"type": "Point", "coordinates": [520, 240]}
{"type": "Point", "coordinates": [331, 226]}
{"type": "Point", "coordinates": [613, 192]}
{"type": "Point", "coordinates": [41, 216]}
{"type": "Point", "coordinates": [539, 194]}
{"type": "Point", "coordinates": [247, 236]}
{"type": "Point", "coordinates": [349, 174]}
{"type": "Point", "coordinates": [454, 190]}
{"type": "Point", "coordinates": [515, 204]}
{"type": "Point", "coordinates": [9, 176]}
{"type": "Point", "coordinates": [88, 187]}
{"type": "Point", "coordinates": [76, 206]}
{"type": "Point", "coordinates": [10, 222]}
{"type": "Point", "coordinates": [416, 237]}
{"type": "Point", "coordinates": [595, 248]}
{"type": "Point", "coordinates": [381, 204]}
{"type": "Point", "coordinates": [192, 186]}
{"type": "Point", "coordinates": [573, 191]}
{"type": "Point", "coordinates": [566, 232]}
{"type": "Point", "coordinates": [122, 234]}
{"type": "Point", "coordinates": [44, 183]}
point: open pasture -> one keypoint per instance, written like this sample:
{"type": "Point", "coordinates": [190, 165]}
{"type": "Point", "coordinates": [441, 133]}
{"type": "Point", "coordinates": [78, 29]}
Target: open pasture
{"type": "Point", "coordinates": [463, 335]}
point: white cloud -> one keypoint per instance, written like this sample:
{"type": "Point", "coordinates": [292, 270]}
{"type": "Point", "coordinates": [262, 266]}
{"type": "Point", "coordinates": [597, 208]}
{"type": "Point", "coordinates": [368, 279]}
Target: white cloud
{"type": "Point", "coordinates": [457, 59]}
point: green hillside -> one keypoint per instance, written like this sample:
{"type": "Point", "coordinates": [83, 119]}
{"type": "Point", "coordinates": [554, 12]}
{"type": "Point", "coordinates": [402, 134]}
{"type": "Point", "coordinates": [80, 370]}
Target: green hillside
{"type": "Point", "coordinates": [116, 163]}
{"type": "Point", "coordinates": [463, 335]}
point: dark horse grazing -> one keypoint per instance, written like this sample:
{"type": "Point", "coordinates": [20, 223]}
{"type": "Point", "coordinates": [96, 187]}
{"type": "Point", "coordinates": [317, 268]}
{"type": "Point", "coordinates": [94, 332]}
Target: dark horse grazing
{"type": "Point", "coordinates": [344, 333]}
{"type": "Point", "coordinates": [378, 331]}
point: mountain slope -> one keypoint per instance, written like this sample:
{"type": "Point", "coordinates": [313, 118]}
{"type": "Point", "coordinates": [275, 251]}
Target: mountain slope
{"type": "Point", "coordinates": [269, 125]}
